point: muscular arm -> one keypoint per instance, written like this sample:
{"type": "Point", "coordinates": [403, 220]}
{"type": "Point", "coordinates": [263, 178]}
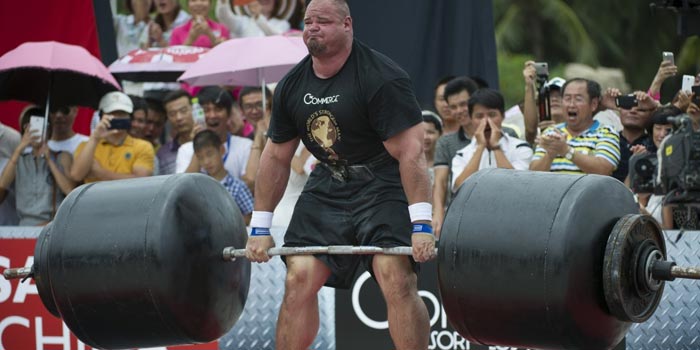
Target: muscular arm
{"type": "Point", "coordinates": [442, 176]}
{"type": "Point", "coordinates": [407, 148]}
{"type": "Point", "coordinates": [273, 174]}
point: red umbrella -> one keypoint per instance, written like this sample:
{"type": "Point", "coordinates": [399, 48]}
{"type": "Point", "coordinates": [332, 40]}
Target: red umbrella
{"type": "Point", "coordinates": [62, 74]}
{"type": "Point", "coordinates": [156, 64]}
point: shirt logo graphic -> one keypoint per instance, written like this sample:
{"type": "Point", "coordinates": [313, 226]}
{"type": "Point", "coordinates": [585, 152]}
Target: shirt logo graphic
{"type": "Point", "coordinates": [322, 129]}
{"type": "Point", "coordinates": [310, 99]}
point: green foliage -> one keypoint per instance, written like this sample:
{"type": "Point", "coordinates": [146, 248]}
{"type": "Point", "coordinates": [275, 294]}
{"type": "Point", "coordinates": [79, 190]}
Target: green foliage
{"type": "Point", "coordinates": [621, 34]}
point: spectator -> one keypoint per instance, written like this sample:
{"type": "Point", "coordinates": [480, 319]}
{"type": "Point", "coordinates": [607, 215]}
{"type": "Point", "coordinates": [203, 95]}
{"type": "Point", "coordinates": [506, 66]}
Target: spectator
{"type": "Point", "coordinates": [217, 103]}
{"type": "Point", "coordinates": [531, 113]}
{"type": "Point", "coordinates": [200, 30]}
{"type": "Point", "coordinates": [110, 153]}
{"type": "Point", "coordinates": [139, 120]}
{"type": "Point", "coordinates": [261, 22]}
{"type": "Point", "coordinates": [581, 144]}
{"type": "Point", "coordinates": [635, 122]}
{"type": "Point", "coordinates": [178, 108]}
{"type": "Point", "coordinates": [9, 140]}
{"type": "Point", "coordinates": [131, 28]}
{"type": "Point", "coordinates": [156, 118]}
{"type": "Point", "coordinates": [457, 93]}
{"type": "Point", "coordinates": [666, 70]}
{"type": "Point", "coordinates": [169, 16]}
{"type": "Point", "coordinates": [652, 204]}
{"type": "Point", "coordinates": [250, 100]}
{"type": "Point", "coordinates": [492, 147]}
{"type": "Point", "coordinates": [433, 130]}
{"type": "Point", "coordinates": [38, 174]}
{"type": "Point", "coordinates": [450, 124]}
{"type": "Point", "coordinates": [209, 152]}
{"type": "Point", "coordinates": [63, 138]}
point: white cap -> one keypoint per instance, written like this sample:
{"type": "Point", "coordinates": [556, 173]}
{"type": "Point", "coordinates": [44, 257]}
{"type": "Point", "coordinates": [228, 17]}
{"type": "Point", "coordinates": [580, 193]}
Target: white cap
{"type": "Point", "coordinates": [116, 101]}
{"type": "Point", "coordinates": [556, 82]}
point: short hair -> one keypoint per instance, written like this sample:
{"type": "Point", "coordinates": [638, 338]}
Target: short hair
{"type": "Point", "coordinates": [139, 103]}
{"type": "Point", "coordinates": [661, 114]}
{"type": "Point", "coordinates": [592, 87]}
{"type": "Point", "coordinates": [157, 106]}
{"type": "Point", "coordinates": [206, 138]}
{"type": "Point", "coordinates": [443, 81]}
{"type": "Point", "coordinates": [488, 98]}
{"type": "Point", "coordinates": [480, 82]}
{"type": "Point", "coordinates": [460, 84]}
{"type": "Point", "coordinates": [216, 95]}
{"type": "Point", "coordinates": [176, 94]}
{"type": "Point", "coordinates": [251, 89]}
{"type": "Point", "coordinates": [433, 118]}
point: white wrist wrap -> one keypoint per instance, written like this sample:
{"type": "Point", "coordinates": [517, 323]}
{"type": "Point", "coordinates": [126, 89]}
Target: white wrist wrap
{"type": "Point", "coordinates": [261, 219]}
{"type": "Point", "coordinates": [422, 211]}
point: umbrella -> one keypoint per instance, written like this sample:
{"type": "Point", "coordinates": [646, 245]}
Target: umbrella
{"type": "Point", "coordinates": [65, 75]}
{"type": "Point", "coordinates": [156, 64]}
{"type": "Point", "coordinates": [247, 61]}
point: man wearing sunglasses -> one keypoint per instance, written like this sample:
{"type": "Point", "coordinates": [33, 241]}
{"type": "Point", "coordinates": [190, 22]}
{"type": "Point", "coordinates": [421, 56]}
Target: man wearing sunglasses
{"type": "Point", "coordinates": [63, 138]}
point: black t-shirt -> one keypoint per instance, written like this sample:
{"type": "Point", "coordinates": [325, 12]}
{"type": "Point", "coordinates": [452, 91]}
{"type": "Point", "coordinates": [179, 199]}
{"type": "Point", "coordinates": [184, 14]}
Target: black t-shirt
{"type": "Point", "coordinates": [345, 118]}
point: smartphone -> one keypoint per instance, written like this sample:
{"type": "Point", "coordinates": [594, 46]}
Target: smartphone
{"type": "Point", "coordinates": [688, 82]}
{"type": "Point", "coordinates": [668, 56]}
{"type": "Point", "coordinates": [36, 126]}
{"type": "Point", "coordinates": [120, 124]}
{"type": "Point", "coordinates": [541, 69]}
{"type": "Point", "coordinates": [696, 98]}
{"type": "Point", "coordinates": [626, 101]}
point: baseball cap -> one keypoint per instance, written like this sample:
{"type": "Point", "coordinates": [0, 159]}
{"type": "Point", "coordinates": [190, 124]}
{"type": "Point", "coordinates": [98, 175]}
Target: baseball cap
{"type": "Point", "coordinates": [556, 83]}
{"type": "Point", "coordinates": [116, 101]}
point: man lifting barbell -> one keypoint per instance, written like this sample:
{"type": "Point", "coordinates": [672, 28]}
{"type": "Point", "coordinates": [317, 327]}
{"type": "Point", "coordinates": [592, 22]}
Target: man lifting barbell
{"type": "Point", "coordinates": [355, 110]}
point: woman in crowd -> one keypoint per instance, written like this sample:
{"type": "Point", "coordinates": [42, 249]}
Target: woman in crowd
{"type": "Point", "coordinates": [200, 30]}
{"type": "Point", "coordinates": [433, 130]}
{"type": "Point", "coordinates": [169, 16]}
{"type": "Point", "coordinates": [131, 28]}
{"type": "Point", "coordinates": [261, 22]}
{"type": "Point", "coordinates": [38, 174]}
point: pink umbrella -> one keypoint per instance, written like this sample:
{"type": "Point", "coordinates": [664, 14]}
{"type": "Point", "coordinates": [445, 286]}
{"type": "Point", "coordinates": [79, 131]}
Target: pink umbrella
{"type": "Point", "coordinates": [62, 74]}
{"type": "Point", "coordinates": [156, 64]}
{"type": "Point", "coordinates": [247, 61]}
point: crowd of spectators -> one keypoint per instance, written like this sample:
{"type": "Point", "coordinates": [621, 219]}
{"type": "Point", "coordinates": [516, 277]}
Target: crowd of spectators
{"type": "Point", "coordinates": [466, 131]}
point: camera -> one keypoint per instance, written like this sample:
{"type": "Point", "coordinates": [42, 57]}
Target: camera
{"type": "Point", "coordinates": [674, 170]}
{"type": "Point", "coordinates": [626, 101]}
{"type": "Point", "coordinates": [542, 70]}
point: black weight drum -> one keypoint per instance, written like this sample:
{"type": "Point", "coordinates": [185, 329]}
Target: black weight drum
{"type": "Point", "coordinates": [521, 259]}
{"type": "Point", "coordinates": [138, 263]}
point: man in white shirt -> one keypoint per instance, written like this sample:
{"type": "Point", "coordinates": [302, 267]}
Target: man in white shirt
{"type": "Point", "coordinates": [490, 146]}
{"type": "Point", "coordinates": [63, 138]}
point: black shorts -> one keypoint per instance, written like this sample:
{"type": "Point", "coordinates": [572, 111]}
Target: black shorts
{"type": "Point", "coordinates": [366, 205]}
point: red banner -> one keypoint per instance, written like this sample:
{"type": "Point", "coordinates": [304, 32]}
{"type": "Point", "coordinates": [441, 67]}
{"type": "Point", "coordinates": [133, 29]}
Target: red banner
{"type": "Point", "coordinates": [24, 322]}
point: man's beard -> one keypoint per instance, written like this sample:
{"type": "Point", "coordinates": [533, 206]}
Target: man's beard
{"type": "Point", "coordinates": [316, 48]}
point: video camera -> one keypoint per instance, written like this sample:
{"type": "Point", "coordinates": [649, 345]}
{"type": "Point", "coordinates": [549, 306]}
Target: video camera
{"type": "Point", "coordinates": [674, 170]}
{"type": "Point", "coordinates": [543, 100]}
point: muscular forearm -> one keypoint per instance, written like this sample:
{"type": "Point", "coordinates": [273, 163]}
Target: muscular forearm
{"type": "Point", "coordinates": [275, 165]}
{"type": "Point", "coordinates": [414, 178]}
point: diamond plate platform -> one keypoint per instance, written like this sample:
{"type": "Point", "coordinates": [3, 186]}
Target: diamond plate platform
{"type": "Point", "coordinates": [676, 322]}
{"type": "Point", "coordinates": [256, 327]}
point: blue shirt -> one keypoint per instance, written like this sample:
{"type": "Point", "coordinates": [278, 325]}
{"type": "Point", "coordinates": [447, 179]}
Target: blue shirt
{"type": "Point", "coordinates": [240, 193]}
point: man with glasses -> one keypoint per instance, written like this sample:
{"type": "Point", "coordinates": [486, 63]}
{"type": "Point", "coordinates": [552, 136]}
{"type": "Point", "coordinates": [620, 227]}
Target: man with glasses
{"type": "Point", "coordinates": [580, 145]}
{"type": "Point", "coordinates": [250, 100]}
{"type": "Point", "coordinates": [635, 122]}
{"type": "Point", "coordinates": [178, 109]}
{"type": "Point", "coordinates": [63, 138]}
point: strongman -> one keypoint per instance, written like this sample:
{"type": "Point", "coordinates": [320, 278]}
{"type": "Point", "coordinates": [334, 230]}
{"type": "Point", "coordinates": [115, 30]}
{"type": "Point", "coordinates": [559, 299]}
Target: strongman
{"type": "Point", "coordinates": [355, 110]}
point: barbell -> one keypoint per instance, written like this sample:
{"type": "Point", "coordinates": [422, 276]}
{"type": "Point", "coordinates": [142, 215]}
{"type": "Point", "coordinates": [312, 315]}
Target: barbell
{"type": "Point", "coordinates": [555, 261]}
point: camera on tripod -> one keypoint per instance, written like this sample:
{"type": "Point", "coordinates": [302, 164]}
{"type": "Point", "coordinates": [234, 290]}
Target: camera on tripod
{"type": "Point", "coordinates": [674, 171]}
{"type": "Point", "coordinates": [543, 99]}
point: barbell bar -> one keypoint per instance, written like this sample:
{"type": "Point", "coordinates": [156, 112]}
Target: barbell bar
{"type": "Point", "coordinates": [571, 270]}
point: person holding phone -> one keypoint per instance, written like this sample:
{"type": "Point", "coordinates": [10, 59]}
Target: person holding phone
{"type": "Point", "coordinates": [110, 153]}
{"type": "Point", "coordinates": [37, 174]}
